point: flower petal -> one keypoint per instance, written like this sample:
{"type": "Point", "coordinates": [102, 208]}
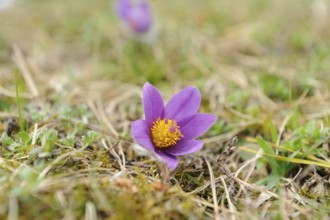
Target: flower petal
{"type": "Point", "coordinates": [122, 8]}
{"type": "Point", "coordinates": [184, 147]}
{"type": "Point", "coordinates": [197, 126]}
{"type": "Point", "coordinates": [141, 134]}
{"type": "Point", "coordinates": [171, 161]}
{"type": "Point", "coordinates": [139, 19]}
{"type": "Point", "coordinates": [183, 105]}
{"type": "Point", "coordinates": [153, 103]}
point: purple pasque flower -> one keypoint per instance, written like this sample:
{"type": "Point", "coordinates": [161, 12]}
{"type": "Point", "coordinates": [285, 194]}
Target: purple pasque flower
{"type": "Point", "coordinates": [136, 14]}
{"type": "Point", "coordinates": [170, 131]}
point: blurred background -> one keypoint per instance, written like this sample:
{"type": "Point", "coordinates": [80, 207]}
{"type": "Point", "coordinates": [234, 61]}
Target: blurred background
{"type": "Point", "coordinates": [197, 39]}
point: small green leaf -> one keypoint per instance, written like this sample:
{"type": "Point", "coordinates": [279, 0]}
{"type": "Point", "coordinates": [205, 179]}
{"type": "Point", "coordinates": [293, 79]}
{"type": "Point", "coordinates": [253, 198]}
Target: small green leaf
{"type": "Point", "coordinates": [89, 138]}
{"type": "Point", "coordinates": [68, 141]}
{"type": "Point", "coordinates": [6, 140]}
{"type": "Point", "coordinates": [268, 150]}
{"type": "Point", "coordinates": [273, 131]}
{"type": "Point", "coordinates": [25, 137]}
{"type": "Point", "coordinates": [49, 139]}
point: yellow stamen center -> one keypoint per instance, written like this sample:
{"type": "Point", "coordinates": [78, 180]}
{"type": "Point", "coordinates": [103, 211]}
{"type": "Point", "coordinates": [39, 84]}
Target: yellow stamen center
{"type": "Point", "coordinates": [165, 132]}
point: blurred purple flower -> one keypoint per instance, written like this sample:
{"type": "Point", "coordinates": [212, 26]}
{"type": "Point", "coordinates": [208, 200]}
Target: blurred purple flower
{"type": "Point", "coordinates": [170, 131]}
{"type": "Point", "coordinates": [135, 14]}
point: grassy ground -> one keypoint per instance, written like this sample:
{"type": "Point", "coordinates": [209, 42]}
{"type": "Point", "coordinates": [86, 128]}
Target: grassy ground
{"type": "Point", "coordinates": [262, 67]}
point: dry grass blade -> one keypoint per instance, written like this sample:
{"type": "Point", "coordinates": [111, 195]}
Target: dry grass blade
{"type": "Point", "coordinates": [214, 191]}
{"type": "Point", "coordinates": [231, 206]}
{"type": "Point", "coordinates": [13, 211]}
{"type": "Point", "coordinates": [100, 115]}
{"type": "Point", "coordinates": [90, 213]}
{"type": "Point", "coordinates": [21, 64]}
{"type": "Point", "coordinates": [54, 162]}
{"type": "Point", "coordinates": [8, 115]}
{"type": "Point", "coordinates": [282, 128]}
{"type": "Point", "coordinates": [11, 94]}
{"type": "Point", "coordinates": [288, 159]}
